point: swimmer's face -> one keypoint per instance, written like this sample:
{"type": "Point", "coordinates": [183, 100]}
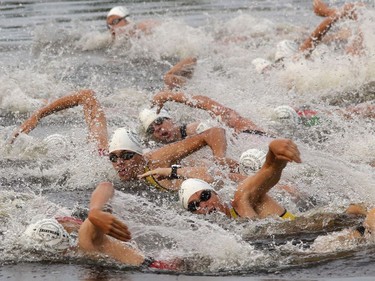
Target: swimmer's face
{"type": "Point", "coordinates": [114, 22]}
{"type": "Point", "coordinates": [204, 202]}
{"type": "Point", "coordinates": [126, 163]}
{"type": "Point", "coordinates": [163, 130]}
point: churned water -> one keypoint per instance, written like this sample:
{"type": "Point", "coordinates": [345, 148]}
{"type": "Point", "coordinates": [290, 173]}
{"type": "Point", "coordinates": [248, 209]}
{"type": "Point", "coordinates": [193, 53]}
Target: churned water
{"type": "Point", "coordinates": [51, 48]}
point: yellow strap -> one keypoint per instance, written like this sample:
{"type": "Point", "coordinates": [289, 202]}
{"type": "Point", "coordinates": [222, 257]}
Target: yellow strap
{"type": "Point", "coordinates": [151, 180]}
{"type": "Point", "coordinates": [288, 216]}
{"type": "Point", "coordinates": [233, 213]}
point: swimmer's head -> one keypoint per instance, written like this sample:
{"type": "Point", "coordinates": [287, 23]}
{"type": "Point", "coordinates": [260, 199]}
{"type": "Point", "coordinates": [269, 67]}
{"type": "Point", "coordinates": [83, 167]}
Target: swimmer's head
{"type": "Point", "coordinates": [125, 153]}
{"type": "Point", "coordinates": [149, 116]}
{"type": "Point", "coordinates": [189, 187]}
{"type": "Point", "coordinates": [285, 49]}
{"type": "Point", "coordinates": [125, 139]}
{"type": "Point", "coordinates": [251, 161]}
{"type": "Point", "coordinates": [117, 17]}
{"type": "Point", "coordinates": [50, 234]}
{"type": "Point", "coordinates": [285, 114]}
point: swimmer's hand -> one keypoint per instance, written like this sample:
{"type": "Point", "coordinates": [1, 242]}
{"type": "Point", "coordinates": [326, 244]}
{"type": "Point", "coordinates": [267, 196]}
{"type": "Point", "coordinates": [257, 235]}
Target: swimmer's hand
{"type": "Point", "coordinates": [26, 127]}
{"type": "Point", "coordinates": [285, 149]}
{"type": "Point", "coordinates": [160, 99]}
{"type": "Point", "coordinates": [160, 173]}
{"type": "Point", "coordinates": [109, 224]}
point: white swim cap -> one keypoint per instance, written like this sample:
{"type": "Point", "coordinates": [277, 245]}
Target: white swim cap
{"type": "Point", "coordinates": [260, 64]}
{"type": "Point", "coordinates": [48, 232]}
{"type": "Point", "coordinates": [124, 139]}
{"type": "Point", "coordinates": [120, 11]}
{"type": "Point", "coordinates": [147, 116]}
{"type": "Point", "coordinates": [56, 143]}
{"type": "Point", "coordinates": [286, 113]}
{"type": "Point", "coordinates": [285, 49]}
{"type": "Point", "coordinates": [189, 187]}
{"type": "Point", "coordinates": [251, 161]}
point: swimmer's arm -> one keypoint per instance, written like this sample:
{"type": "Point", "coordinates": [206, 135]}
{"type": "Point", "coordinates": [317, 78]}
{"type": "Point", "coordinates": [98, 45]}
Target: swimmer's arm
{"type": "Point", "coordinates": [227, 115]}
{"type": "Point", "coordinates": [178, 75]}
{"type": "Point", "coordinates": [92, 238]}
{"type": "Point", "coordinates": [182, 173]}
{"type": "Point", "coordinates": [170, 154]}
{"type": "Point", "coordinates": [253, 188]}
{"type": "Point", "coordinates": [199, 101]}
{"type": "Point", "coordinates": [320, 31]}
{"type": "Point", "coordinates": [94, 116]}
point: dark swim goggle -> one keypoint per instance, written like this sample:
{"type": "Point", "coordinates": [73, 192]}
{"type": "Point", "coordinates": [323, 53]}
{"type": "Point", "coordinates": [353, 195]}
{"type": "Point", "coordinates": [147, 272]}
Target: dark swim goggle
{"type": "Point", "coordinates": [116, 22]}
{"type": "Point", "coordinates": [125, 155]}
{"type": "Point", "coordinates": [158, 121]}
{"type": "Point", "coordinates": [205, 196]}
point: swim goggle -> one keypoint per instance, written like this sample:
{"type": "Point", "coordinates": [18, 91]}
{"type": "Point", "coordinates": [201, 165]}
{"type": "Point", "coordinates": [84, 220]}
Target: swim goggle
{"type": "Point", "coordinates": [125, 155]}
{"type": "Point", "coordinates": [158, 121]}
{"type": "Point", "coordinates": [116, 22]}
{"type": "Point", "coordinates": [194, 205]}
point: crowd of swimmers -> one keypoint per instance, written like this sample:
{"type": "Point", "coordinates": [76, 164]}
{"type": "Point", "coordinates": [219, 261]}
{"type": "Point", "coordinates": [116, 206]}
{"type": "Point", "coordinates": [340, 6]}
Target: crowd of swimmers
{"type": "Point", "coordinates": [102, 233]}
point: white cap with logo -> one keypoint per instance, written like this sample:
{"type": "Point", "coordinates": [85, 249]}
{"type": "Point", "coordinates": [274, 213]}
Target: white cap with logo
{"type": "Point", "coordinates": [147, 116]}
{"type": "Point", "coordinates": [49, 233]}
{"type": "Point", "coordinates": [125, 139]}
{"type": "Point", "coordinates": [252, 160]}
{"type": "Point", "coordinates": [120, 11]}
{"type": "Point", "coordinates": [286, 114]}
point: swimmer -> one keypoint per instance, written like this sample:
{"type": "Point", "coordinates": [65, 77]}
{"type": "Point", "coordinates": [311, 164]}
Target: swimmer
{"type": "Point", "coordinates": [289, 49]}
{"type": "Point", "coordinates": [360, 234]}
{"type": "Point", "coordinates": [119, 23]}
{"type": "Point", "coordinates": [332, 16]}
{"type": "Point", "coordinates": [100, 236]}
{"type": "Point", "coordinates": [251, 199]}
{"type": "Point", "coordinates": [159, 124]}
{"type": "Point", "coordinates": [129, 161]}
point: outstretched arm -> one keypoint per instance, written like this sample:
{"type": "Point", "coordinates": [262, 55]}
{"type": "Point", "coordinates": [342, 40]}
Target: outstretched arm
{"type": "Point", "coordinates": [167, 155]}
{"type": "Point", "coordinates": [251, 199]}
{"type": "Point", "coordinates": [94, 116]}
{"type": "Point", "coordinates": [182, 173]}
{"type": "Point", "coordinates": [93, 236]}
{"type": "Point", "coordinates": [229, 116]}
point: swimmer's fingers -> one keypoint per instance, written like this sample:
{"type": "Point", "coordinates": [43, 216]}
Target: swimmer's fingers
{"type": "Point", "coordinates": [162, 172]}
{"type": "Point", "coordinates": [290, 154]}
{"type": "Point", "coordinates": [119, 231]}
